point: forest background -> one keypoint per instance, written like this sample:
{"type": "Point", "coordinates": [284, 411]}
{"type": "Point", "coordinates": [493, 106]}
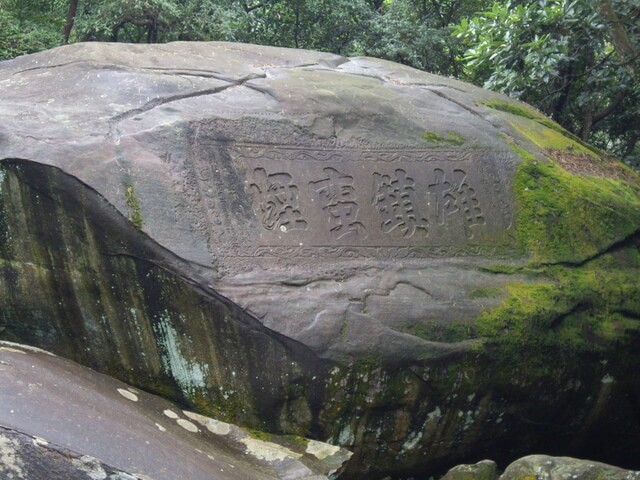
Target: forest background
{"type": "Point", "coordinates": [578, 61]}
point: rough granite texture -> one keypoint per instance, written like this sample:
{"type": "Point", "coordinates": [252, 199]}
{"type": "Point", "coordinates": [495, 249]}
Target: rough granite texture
{"type": "Point", "coordinates": [542, 467]}
{"type": "Point", "coordinates": [60, 420]}
{"type": "Point", "coordinates": [539, 467]}
{"type": "Point", "coordinates": [349, 249]}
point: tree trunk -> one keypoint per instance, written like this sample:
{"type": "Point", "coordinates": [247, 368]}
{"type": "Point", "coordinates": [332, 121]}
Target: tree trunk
{"type": "Point", "coordinates": [558, 109]}
{"type": "Point", "coordinates": [152, 30]}
{"type": "Point", "coordinates": [71, 17]}
{"type": "Point", "coordinates": [632, 141]}
{"type": "Point", "coordinates": [587, 123]}
{"type": "Point", "coordinates": [619, 35]}
{"type": "Point", "coordinates": [296, 32]}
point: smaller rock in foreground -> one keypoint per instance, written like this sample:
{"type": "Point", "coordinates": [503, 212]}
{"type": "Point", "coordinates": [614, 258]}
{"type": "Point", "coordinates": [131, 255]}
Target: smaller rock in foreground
{"type": "Point", "coordinates": [540, 467]}
{"type": "Point", "coordinates": [484, 470]}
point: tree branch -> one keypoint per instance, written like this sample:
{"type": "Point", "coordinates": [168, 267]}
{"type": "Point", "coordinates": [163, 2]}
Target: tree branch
{"type": "Point", "coordinates": [612, 106]}
{"type": "Point", "coordinates": [249, 9]}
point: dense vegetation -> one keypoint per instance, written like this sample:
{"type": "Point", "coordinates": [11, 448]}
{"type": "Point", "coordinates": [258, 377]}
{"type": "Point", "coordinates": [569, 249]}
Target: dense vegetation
{"type": "Point", "coordinates": [578, 61]}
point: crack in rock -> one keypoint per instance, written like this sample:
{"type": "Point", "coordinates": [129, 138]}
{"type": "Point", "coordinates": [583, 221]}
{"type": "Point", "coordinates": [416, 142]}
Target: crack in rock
{"type": "Point", "coordinates": [113, 133]}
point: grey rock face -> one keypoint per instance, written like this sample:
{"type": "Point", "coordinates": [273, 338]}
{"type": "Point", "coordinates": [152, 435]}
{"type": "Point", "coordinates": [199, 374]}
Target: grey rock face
{"type": "Point", "coordinates": [541, 467]}
{"type": "Point", "coordinates": [23, 457]}
{"type": "Point", "coordinates": [484, 470]}
{"type": "Point", "coordinates": [62, 421]}
{"type": "Point", "coordinates": [339, 189]}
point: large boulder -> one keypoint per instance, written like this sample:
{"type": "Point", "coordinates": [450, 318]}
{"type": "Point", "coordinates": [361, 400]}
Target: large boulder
{"type": "Point", "coordinates": [409, 266]}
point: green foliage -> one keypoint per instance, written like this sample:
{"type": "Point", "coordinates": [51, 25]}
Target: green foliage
{"type": "Point", "coordinates": [154, 21]}
{"type": "Point", "coordinates": [417, 33]}
{"type": "Point", "coordinates": [211, 20]}
{"type": "Point", "coordinates": [320, 25]}
{"type": "Point", "coordinates": [28, 27]}
{"type": "Point", "coordinates": [512, 48]}
{"type": "Point", "coordinates": [414, 32]}
{"type": "Point", "coordinates": [567, 58]}
{"type": "Point", "coordinates": [335, 26]}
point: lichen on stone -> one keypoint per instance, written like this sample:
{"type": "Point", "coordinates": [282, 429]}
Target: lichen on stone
{"type": "Point", "coordinates": [11, 464]}
{"type": "Point", "coordinates": [134, 212]}
{"type": "Point", "coordinates": [268, 451]}
{"type": "Point", "coordinates": [451, 138]}
{"type": "Point", "coordinates": [321, 450]}
{"type": "Point", "coordinates": [188, 374]}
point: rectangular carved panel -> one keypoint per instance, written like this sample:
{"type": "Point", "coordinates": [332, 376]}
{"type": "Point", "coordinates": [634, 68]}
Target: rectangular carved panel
{"type": "Point", "coordinates": [288, 201]}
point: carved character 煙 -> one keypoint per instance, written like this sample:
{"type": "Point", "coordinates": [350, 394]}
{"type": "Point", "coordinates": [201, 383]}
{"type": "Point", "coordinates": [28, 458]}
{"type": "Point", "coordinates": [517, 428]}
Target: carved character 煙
{"type": "Point", "coordinates": [275, 198]}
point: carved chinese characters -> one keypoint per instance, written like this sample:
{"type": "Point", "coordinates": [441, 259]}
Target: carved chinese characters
{"type": "Point", "coordinates": [276, 201]}
{"type": "Point", "coordinates": [351, 203]}
{"type": "Point", "coordinates": [395, 200]}
{"type": "Point", "coordinates": [338, 194]}
{"type": "Point", "coordinates": [453, 196]}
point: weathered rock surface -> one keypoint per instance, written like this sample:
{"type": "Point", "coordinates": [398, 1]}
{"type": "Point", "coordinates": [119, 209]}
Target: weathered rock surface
{"type": "Point", "coordinates": [483, 470]}
{"type": "Point", "coordinates": [24, 457]}
{"type": "Point", "coordinates": [59, 420]}
{"type": "Point", "coordinates": [542, 467]}
{"type": "Point", "coordinates": [406, 265]}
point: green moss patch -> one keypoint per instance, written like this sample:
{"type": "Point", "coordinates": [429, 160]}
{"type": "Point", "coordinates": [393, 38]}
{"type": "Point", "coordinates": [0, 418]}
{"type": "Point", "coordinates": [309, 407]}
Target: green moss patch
{"type": "Point", "coordinates": [487, 292]}
{"type": "Point", "coordinates": [522, 110]}
{"type": "Point", "coordinates": [541, 135]}
{"type": "Point", "coordinates": [570, 218]}
{"type": "Point", "coordinates": [260, 435]}
{"type": "Point", "coordinates": [452, 138]}
{"type": "Point", "coordinates": [581, 164]}
{"type": "Point", "coordinates": [450, 332]}
{"type": "Point", "coordinates": [502, 268]}
{"type": "Point", "coordinates": [134, 212]}
{"type": "Point", "coordinates": [540, 130]}
{"type": "Point", "coordinates": [575, 308]}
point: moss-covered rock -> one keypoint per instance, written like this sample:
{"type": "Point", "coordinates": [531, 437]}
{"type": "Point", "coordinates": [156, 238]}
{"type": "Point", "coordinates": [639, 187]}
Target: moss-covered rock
{"type": "Point", "coordinates": [565, 217]}
{"type": "Point", "coordinates": [484, 470]}
{"type": "Point", "coordinates": [536, 467]}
